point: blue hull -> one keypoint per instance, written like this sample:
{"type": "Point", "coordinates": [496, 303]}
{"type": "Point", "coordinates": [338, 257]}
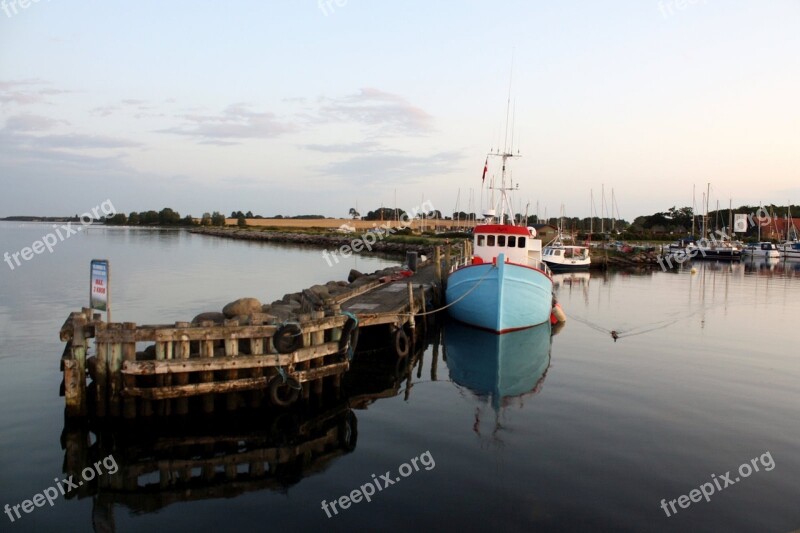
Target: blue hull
{"type": "Point", "coordinates": [497, 367]}
{"type": "Point", "coordinates": [500, 298]}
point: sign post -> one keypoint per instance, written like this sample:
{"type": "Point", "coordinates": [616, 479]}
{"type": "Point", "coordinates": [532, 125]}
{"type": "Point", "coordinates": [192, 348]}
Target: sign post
{"type": "Point", "coordinates": [99, 286]}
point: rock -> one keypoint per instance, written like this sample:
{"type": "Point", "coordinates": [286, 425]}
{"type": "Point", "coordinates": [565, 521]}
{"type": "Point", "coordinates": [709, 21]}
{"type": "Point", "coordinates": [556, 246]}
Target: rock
{"type": "Point", "coordinates": [242, 306]}
{"type": "Point", "coordinates": [266, 308]}
{"type": "Point", "coordinates": [354, 275]}
{"type": "Point", "coordinates": [320, 290]}
{"type": "Point", "coordinates": [213, 316]}
{"type": "Point", "coordinates": [282, 312]}
{"type": "Point", "coordinates": [244, 320]}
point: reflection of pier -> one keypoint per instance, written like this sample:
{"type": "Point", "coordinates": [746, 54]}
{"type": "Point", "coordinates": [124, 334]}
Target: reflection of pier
{"type": "Point", "coordinates": [163, 461]}
{"type": "Point", "coordinates": [221, 459]}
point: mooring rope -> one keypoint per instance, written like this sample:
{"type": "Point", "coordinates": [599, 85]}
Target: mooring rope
{"type": "Point", "coordinates": [454, 301]}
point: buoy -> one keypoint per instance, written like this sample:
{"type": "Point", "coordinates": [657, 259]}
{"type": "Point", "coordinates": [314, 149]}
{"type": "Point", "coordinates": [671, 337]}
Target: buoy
{"type": "Point", "coordinates": [558, 314]}
{"type": "Point", "coordinates": [694, 270]}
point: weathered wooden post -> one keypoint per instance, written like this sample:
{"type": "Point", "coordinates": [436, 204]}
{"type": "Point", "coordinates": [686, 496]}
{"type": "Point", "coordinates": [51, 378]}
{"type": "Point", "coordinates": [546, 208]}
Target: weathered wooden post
{"type": "Point", "coordinates": [411, 312]}
{"type": "Point", "coordinates": [183, 351]}
{"type": "Point", "coordinates": [423, 308]}
{"type": "Point", "coordinates": [207, 352]}
{"type": "Point", "coordinates": [257, 349]}
{"type": "Point", "coordinates": [75, 370]}
{"type": "Point", "coordinates": [437, 264]}
{"type": "Point", "coordinates": [317, 338]}
{"type": "Point", "coordinates": [231, 350]}
{"type": "Point", "coordinates": [114, 332]}
{"type": "Point", "coordinates": [448, 261]}
{"type": "Point", "coordinates": [129, 354]}
{"type": "Point", "coordinates": [101, 371]}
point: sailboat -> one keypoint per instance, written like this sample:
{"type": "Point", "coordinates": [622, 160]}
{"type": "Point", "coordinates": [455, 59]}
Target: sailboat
{"type": "Point", "coordinates": [505, 286]}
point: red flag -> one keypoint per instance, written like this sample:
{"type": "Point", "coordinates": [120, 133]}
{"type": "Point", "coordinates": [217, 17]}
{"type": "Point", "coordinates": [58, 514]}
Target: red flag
{"type": "Point", "coordinates": [485, 168]}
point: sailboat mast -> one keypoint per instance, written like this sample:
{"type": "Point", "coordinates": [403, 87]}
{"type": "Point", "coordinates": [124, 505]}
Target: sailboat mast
{"type": "Point", "coordinates": [694, 208]}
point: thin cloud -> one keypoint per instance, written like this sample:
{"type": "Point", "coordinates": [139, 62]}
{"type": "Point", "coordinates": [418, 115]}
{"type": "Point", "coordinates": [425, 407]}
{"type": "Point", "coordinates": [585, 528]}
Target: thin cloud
{"type": "Point", "coordinates": [345, 148]}
{"type": "Point", "coordinates": [237, 121]}
{"type": "Point", "coordinates": [27, 92]}
{"type": "Point", "coordinates": [394, 167]}
{"type": "Point", "coordinates": [29, 122]}
{"type": "Point", "coordinates": [390, 113]}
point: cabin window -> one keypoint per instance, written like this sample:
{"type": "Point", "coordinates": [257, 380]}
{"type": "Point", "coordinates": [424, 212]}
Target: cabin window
{"type": "Point", "coordinates": [557, 252]}
{"type": "Point", "coordinates": [490, 240]}
{"type": "Point", "coordinates": [521, 242]}
{"type": "Point", "coordinates": [512, 241]}
{"type": "Point", "coordinates": [480, 240]}
{"type": "Point", "coordinates": [501, 240]}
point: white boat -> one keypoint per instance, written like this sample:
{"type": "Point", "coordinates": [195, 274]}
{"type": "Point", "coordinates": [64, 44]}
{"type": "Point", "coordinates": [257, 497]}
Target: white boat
{"type": "Point", "coordinates": [790, 250]}
{"type": "Point", "coordinates": [562, 257]}
{"type": "Point", "coordinates": [766, 250]}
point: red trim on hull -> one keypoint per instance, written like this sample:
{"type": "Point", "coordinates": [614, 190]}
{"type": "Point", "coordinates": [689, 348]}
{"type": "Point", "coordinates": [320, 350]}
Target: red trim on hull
{"type": "Point", "coordinates": [501, 332]}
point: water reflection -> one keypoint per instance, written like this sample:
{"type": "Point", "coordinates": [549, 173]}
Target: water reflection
{"type": "Point", "coordinates": [498, 368]}
{"type": "Point", "coordinates": [183, 459]}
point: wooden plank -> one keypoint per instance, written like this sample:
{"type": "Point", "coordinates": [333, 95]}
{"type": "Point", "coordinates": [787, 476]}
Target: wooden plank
{"type": "Point", "coordinates": [211, 364]}
{"type": "Point", "coordinates": [193, 389]}
{"type": "Point", "coordinates": [200, 333]}
{"type": "Point", "coordinates": [321, 372]}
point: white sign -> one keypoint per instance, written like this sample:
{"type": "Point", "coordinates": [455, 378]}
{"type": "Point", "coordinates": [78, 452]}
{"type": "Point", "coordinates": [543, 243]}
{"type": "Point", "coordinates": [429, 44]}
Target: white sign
{"type": "Point", "coordinates": [740, 223]}
{"type": "Point", "coordinates": [98, 288]}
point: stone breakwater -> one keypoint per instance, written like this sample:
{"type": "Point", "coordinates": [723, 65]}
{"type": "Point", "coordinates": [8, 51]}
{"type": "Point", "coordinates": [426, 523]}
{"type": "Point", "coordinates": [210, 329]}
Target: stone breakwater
{"type": "Point", "coordinates": [329, 242]}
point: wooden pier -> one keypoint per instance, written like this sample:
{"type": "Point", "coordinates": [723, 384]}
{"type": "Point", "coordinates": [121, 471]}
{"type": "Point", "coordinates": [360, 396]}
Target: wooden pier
{"type": "Point", "coordinates": [244, 361]}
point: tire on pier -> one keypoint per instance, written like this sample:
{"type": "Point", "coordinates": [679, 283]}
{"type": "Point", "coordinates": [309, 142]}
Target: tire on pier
{"type": "Point", "coordinates": [402, 344]}
{"type": "Point", "coordinates": [288, 338]}
{"type": "Point", "coordinates": [349, 339]}
{"type": "Point", "coordinates": [284, 393]}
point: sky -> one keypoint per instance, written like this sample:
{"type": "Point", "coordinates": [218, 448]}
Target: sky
{"type": "Point", "coordinates": [316, 107]}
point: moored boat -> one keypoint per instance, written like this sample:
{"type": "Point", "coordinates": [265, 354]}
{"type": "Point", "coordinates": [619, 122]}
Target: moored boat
{"type": "Point", "coordinates": [790, 250]}
{"type": "Point", "coordinates": [766, 250]}
{"type": "Point", "coordinates": [505, 286]}
{"type": "Point", "coordinates": [565, 257]}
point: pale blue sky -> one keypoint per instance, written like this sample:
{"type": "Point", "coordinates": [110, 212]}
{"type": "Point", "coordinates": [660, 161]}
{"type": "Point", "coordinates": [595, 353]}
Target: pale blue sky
{"type": "Point", "coordinates": [306, 107]}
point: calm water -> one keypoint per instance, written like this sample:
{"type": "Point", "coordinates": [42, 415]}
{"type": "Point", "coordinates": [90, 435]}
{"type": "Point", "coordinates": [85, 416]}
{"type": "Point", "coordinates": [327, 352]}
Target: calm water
{"type": "Point", "coordinates": [520, 435]}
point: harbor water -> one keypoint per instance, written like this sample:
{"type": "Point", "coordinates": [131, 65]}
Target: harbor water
{"type": "Point", "coordinates": [542, 430]}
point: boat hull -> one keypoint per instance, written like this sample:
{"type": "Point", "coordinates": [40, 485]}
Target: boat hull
{"type": "Point", "coordinates": [570, 266]}
{"type": "Point", "coordinates": [500, 297]}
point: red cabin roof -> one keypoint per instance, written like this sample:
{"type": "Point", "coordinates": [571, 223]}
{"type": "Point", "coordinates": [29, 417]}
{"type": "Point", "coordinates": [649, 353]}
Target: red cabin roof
{"type": "Point", "coordinates": [506, 229]}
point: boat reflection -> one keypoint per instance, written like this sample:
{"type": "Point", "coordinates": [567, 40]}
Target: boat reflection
{"type": "Point", "coordinates": [498, 368]}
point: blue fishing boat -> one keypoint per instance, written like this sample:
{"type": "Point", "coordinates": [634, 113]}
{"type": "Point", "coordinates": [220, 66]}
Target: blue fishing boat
{"type": "Point", "coordinates": [505, 285]}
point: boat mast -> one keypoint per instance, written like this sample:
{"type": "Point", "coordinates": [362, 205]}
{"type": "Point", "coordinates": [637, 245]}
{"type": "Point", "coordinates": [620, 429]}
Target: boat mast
{"type": "Point", "coordinates": [694, 207]}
